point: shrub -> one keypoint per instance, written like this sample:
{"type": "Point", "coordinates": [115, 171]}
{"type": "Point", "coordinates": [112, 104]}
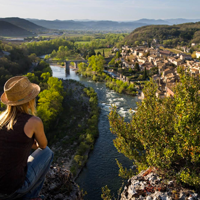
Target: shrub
{"type": "Point", "coordinates": [164, 133]}
{"type": "Point", "coordinates": [82, 148]}
{"type": "Point", "coordinates": [78, 159]}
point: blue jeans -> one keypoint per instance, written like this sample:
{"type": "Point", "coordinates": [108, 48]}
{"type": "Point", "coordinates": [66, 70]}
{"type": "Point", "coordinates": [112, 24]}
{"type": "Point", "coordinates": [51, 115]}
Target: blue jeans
{"type": "Point", "coordinates": [38, 165]}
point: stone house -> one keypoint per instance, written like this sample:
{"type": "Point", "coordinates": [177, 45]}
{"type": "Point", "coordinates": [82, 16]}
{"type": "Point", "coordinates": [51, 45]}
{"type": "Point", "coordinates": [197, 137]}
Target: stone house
{"type": "Point", "coordinates": [161, 68]}
{"type": "Point", "coordinates": [193, 44]}
{"type": "Point", "coordinates": [138, 51]}
{"type": "Point", "coordinates": [194, 71]}
{"type": "Point", "coordinates": [171, 59]}
{"type": "Point", "coordinates": [167, 71]}
{"type": "Point", "coordinates": [151, 58]}
{"type": "Point", "coordinates": [177, 62]}
{"type": "Point", "coordinates": [164, 53]}
{"type": "Point", "coordinates": [190, 63]}
{"type": "Point", "coordinates": [154, 52]}
{"type": "Point", "coordinates": [147, 65]}
{"type": "Point", "coordinates": [185, 56]}
{"type": "Point", "coordinates": [158, 61]}
{"type": "Point", "coordinates": [198, 54]}
{"type": "Point", "coordinates": [142, 60]}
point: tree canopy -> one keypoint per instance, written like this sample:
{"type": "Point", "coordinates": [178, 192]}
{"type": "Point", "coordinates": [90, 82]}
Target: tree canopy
{"type": "Point", "coordinates": [96, 63]}
{"type": "Point", "coordinates": [50, 101]}
{"type": "Point", "coordinates": [164, 133]}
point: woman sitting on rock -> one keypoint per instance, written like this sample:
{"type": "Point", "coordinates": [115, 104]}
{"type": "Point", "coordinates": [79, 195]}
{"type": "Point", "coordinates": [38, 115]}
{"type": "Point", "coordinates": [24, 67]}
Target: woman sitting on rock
{"type": "Point", "coordinates": [21, 174]}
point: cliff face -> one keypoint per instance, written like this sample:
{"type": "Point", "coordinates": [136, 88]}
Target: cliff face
{"type": "Point", "coordinates": [148, 185]}
{"type": "Point", "coordinates": [59, 184]}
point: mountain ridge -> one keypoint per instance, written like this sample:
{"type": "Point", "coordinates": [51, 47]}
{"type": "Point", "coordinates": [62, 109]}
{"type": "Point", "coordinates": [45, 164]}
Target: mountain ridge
{"type": "Point", "coordinates": [106, 25]}
{"type": "Point", "coordinates": [9, 30]}
{"type": "Point", "coordinates": [24, 24]}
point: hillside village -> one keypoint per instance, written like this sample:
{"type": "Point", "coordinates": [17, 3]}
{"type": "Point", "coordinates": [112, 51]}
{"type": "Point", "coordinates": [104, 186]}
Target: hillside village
{"type": "Point", "coordinates": [164, 63]}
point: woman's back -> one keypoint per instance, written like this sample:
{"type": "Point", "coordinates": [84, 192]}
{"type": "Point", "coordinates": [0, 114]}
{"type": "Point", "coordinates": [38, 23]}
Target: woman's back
{"type": "Point", "coordinates": [22, 175]}
{"type": "Point", "coordinates": [15, 147]}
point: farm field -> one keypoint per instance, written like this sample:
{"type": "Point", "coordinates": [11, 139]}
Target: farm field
{"type": "Point", "coordinates": [83, 42]}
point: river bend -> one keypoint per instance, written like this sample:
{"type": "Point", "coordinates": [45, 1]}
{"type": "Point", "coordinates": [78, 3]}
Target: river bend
{"type": "Point", "coordinates": [101, 168]}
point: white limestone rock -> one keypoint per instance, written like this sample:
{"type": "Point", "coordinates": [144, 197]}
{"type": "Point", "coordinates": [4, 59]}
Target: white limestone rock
{"type": "Point", "coordinates": [149, 186]}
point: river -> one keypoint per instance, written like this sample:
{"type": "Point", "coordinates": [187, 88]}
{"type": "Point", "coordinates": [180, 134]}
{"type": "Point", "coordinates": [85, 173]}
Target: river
{"type": "Point", "coordinates": [101, 168]}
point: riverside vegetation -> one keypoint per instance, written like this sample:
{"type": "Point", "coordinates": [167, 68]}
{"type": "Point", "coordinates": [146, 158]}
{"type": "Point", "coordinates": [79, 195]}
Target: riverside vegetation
{"type": "Point", "coordinates": [95, 68]}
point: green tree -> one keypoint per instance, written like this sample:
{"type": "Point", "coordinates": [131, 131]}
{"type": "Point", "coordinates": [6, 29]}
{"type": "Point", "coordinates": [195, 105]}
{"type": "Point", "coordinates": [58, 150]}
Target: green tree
{"type": "Point", "coordinates": [137, 67]}
{"type": "Point", "coordinates": [45, 76]}
{"type": "Point", "coordinates": [117, 55]}
{"type": "Point", "coordinates": [33, 57]}
{"type": "Point", "coordinates": [137, 43]}
{"type": "Point", "coordinates": [112, 62]}
{"type": "Point", "coordinates": [103, 53]}
{"type": "Point", "coordinates": [55, 84]}
{"type": "Point", "coordinates": [82, 67]}
{"type": "Point", "coordinates": [49, 106]}
{"type": "Point", "coordinates": [164, 133]}
{"type": "Point", "coordinates": [50, 101]}
{"type": "Point", "coordinates": [96, 63]}
{"type": "Point", "coordinates": [98, 53]}
{"type": "Point", "coordinates": [33, 78]}
{"type": "Point", "coordinates": [106, 193]}
{"type": "Point", "coordinates": [53, 54]}
{"type": "Point", "coordinates": [46, 57]}
{"type": "Point", "coordinates": [145, 74]}
{"type": "Point", "coordinates": [91, 52]}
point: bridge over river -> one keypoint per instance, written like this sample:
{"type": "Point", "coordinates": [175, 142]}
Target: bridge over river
{"type": "Point", "coordinates": [76, 62]}
{"type": "Point", "coordinates": [68, 63]}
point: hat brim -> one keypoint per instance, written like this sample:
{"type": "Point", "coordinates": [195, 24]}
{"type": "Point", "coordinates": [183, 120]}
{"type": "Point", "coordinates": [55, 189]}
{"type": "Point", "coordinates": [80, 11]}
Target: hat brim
{"type": "Point", "coordinates": [34, 93]}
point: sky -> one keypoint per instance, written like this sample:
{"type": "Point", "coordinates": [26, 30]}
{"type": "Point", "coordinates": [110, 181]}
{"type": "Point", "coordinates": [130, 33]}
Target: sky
{"type": "Point", "coordinates": [115, 10]}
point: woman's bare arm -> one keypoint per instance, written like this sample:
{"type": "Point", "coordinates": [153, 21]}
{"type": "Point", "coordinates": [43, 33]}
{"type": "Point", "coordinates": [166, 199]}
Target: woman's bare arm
{"type": "Point", "coordinates": [35, 127]}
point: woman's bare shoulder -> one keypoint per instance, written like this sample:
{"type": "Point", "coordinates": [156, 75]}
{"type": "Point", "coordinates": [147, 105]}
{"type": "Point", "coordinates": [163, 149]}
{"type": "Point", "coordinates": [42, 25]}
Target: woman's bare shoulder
{"type": "Point", "coordinates": [35, 120]}
{"type": "Point", "coordinates": [33, 125]}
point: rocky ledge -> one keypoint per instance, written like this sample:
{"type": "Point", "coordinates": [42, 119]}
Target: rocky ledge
{"type": "Point", "coordinates": [59, 184]}
{"type": "Point", "coordinates": [148, 185]}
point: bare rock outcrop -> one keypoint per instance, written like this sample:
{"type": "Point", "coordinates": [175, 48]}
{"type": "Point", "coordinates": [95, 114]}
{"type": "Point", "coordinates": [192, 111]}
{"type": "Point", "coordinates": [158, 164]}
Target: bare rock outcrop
{"type": "Point", "coordinates": [149, 186]}
{"type": "Point", "coordinates": [59, 185]}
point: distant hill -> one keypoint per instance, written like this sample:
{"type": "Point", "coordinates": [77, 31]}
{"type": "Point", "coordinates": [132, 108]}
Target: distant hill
{"type": "Point", "coordinates": [152, 21]}
{"type": "Point", "coordinates": [181, 21]}
{"type": "Point", "coordinates": [166, 21]}
{"type": "Point", "coordinates": [168, 35]}
{"type": "Point", "coordinates": [88, 25]}
{"type": "Point", "coordinates": [25, 24]}
{"type": "Point", "coordinates": [10, 30]}
{"type": "Point", "coordinates": [105, 25]}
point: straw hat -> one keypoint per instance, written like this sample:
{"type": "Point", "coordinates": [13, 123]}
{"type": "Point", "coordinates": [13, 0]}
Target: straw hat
{"type": "Point", "coordinates": [19, 90]}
